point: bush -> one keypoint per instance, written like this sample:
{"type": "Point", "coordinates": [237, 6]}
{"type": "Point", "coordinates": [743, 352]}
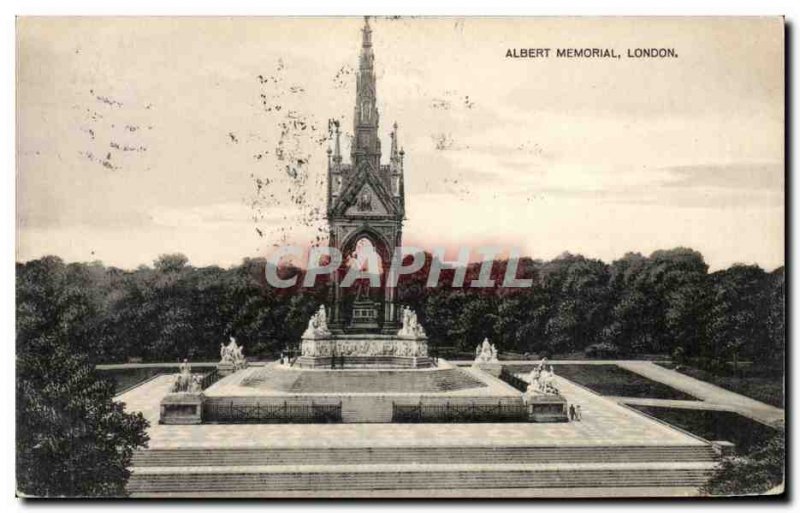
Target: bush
{"type": "Point", "coordinates": [756, 472]}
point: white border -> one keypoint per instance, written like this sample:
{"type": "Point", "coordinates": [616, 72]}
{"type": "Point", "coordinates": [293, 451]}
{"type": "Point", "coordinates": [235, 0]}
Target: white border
{"type": "Point", "coordinates": [789, 8]}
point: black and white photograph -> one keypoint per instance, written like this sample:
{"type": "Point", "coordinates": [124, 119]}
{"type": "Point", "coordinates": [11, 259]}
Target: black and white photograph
{"type": "Point", "coordinates": [400, 257]}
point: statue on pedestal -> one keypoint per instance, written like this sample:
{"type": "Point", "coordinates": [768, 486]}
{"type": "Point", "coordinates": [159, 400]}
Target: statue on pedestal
{"type": "Point", "coordinates": [184, 402]}
{"type": "Point", "coordinates": [232, 355]}
{"type": "Point", "coordinates": [542, 397]}
{"type": "Point", "coordinates": [184, 381]}
{"type": "Point", "coordinates": [318, 325]}
{"type": "Point", "coordinates": [542, 379]}
{"type": "Point", "coordinates": [411, 327]}
{"type": "Point", "coordinates": [486, 352]}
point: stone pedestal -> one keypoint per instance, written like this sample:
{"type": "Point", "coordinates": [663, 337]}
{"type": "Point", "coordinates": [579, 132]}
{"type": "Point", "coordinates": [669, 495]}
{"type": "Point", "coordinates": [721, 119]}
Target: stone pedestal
{"type": "Point", "coordinates": [226, 368]}
{"type": "Point", "coordinates": [357, 351]}
{"type": "Point", "coordinates": [182, 408]}
{"type": "Point", "coordinates": [546, 407]}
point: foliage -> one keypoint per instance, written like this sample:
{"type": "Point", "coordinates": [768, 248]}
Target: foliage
{"type": "Point", "coordinates": [656, 304]}
{"type": "Point", "coordinates": [755, 472]}
{"type": "Point", "coordinates": [72, 438]}
{"type": "Point", "coordinates": [757, 463]}
{"type": "Point", "coordinates": [602, 350]}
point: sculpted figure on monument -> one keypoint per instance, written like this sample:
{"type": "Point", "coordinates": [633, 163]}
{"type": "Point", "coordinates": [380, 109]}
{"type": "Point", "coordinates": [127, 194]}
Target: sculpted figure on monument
{"type": "Point", "coordinates": [411, 327]}
{"type": "Point", "coordinates": [317, 325]}
{"type": "Point", "coordinates": [542, 380]}
{"type": "Point", "coordinates": [183, 381]}
{"type": "Point", "coordinates": [196, 386]}
{"type": "Point", "coordinates": [485, 352]}
{"type": "Point", "coordinates": [232, 354]}
{"type": "Point", "coordinates": [549, 382]}
{"type": "Point", "coordinates": [365, 202]}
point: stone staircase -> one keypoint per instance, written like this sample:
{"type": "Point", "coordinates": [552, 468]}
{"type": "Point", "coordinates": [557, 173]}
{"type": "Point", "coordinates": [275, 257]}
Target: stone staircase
{"type": "Point", "coordinates": [366, 408]}
{"type": "Point", "coordinates": [282, 469]}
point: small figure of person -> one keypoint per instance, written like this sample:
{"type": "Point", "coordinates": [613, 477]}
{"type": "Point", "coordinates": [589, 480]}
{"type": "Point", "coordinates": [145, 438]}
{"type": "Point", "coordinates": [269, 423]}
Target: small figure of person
{"type": "Point", "coordinates": [572, 414]}
{"type": "Point", "coordinates": [578, 414]}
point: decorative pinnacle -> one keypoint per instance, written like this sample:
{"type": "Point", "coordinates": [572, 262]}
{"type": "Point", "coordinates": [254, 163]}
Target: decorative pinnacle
{"type": "Point", "coordinates": [366, 32]}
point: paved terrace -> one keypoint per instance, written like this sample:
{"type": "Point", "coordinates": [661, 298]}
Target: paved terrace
{"type": "Point", "coordinates": [713, 397]}
{"type": "Point", "coordinates": [716, 396]}
{"type": "Point", "coordinates": [604, 423]}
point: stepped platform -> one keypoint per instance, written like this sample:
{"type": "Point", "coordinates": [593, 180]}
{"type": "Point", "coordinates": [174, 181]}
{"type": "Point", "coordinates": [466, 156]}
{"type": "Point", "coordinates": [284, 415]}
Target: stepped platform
{"type": "Point", "coordinates": [358, 395]}
{"type": "Point", "coordinates": [418, 477]}
{"type": "Point", "coordinates": [614, 451]}
{"type": "Point", "coordinates": [283, 379]}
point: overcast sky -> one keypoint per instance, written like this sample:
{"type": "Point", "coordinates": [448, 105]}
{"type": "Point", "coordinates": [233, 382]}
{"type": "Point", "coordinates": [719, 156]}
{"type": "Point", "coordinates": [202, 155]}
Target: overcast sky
{"type": "Point", "coordinates": [143, 136]}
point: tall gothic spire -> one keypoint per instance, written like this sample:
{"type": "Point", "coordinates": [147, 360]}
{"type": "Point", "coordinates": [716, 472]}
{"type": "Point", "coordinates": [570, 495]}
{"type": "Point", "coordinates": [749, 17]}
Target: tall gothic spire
{"type": "Point", "coordinates": [366, 145]}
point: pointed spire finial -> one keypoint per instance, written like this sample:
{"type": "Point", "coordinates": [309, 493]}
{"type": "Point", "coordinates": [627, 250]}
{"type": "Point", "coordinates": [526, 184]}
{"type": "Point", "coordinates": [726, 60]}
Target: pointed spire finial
{"type": "Point", "coordinates": [366, 33]}
{"type": "Point", "coordinates": [338, 149]}
{"type": "Point", "coordinates": [394, 141]}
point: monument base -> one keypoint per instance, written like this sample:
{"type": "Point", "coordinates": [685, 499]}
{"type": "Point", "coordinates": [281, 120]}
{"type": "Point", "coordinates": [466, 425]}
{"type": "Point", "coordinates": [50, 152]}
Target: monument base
{"type": "Point", "coordinates": [546, 408]}
{"type": "Point", "coordinates": [364, 362]}
{"type": "Point", "coordinates": [362, 351]}
{"type": "Point", "coordinates": [288, 394]}
{"type": "Point", "coordinates": [182, 408]}
{"type": "Point", "coordinates": [227, 368]}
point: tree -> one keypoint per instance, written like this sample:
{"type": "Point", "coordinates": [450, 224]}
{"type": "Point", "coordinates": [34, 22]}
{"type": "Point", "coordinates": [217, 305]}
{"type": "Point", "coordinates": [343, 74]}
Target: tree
{"type": "Point", "coordinates": [577, 295]}
{"type": "Point", "coordinates": [678, 278]}
{"type": "Point", "coordinates": [634, 310]}
{"type": "Point", "coordinates": [72, 438]}
{"type": "Point", "coordinates": [739, 312]}
{"type": "Point", "coordinates": [775, 322]}
{"type": "Point", "coordinates": [171, 263]}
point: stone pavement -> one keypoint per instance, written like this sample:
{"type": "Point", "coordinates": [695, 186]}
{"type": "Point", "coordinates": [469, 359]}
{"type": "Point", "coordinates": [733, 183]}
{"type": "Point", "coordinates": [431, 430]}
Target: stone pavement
{"type": "Point", "coordinates": [480, 493]}
{"type": "Point", "coordinates": [604, 423]}
{"type": "Point", "coordinates": [668, 403]}
{"type": "Point", "coordinates": [709, 393]}
{"type": "Point", "coordinates": [422, 467]}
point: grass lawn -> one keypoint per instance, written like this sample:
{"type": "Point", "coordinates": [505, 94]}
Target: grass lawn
{"type": "Point", "coordinates": [125, 379]}
{"type": "Point", "coordinates": [611, 380]}
{"type": "Point", "coordinates": [715, 425]}
{"type": "Point", "coordinates": [761, 384]}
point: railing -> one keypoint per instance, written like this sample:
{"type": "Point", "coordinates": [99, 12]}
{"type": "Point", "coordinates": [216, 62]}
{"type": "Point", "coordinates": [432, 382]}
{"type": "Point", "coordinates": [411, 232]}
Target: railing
{"type": "Point", "coordinates": [516, 382]}
{"type": "Point", "coordinates": [233, 413]}
{"type": "Point", "coordinates": [209, 379]}
{"type": "Point", "coordinates": [472, 412]}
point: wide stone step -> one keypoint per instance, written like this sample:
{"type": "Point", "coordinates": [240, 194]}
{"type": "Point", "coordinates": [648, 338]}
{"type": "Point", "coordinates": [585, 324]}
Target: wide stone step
{"type": "Point", "coordinates": [408, 478]}
{"type": "Point", "coordinates": [422, 455]}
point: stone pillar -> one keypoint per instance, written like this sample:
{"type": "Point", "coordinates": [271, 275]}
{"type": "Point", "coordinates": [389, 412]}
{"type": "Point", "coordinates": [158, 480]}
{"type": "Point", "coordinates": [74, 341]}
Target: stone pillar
{"type": "Point", "coordinates": [390, 317]}
{"type": "Point", "coordinates": [336, 322]}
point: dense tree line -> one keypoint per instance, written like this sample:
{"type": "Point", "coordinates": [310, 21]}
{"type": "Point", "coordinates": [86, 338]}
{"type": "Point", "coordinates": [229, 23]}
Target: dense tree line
{"type": "Point", "coordinates": [665, 303]}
